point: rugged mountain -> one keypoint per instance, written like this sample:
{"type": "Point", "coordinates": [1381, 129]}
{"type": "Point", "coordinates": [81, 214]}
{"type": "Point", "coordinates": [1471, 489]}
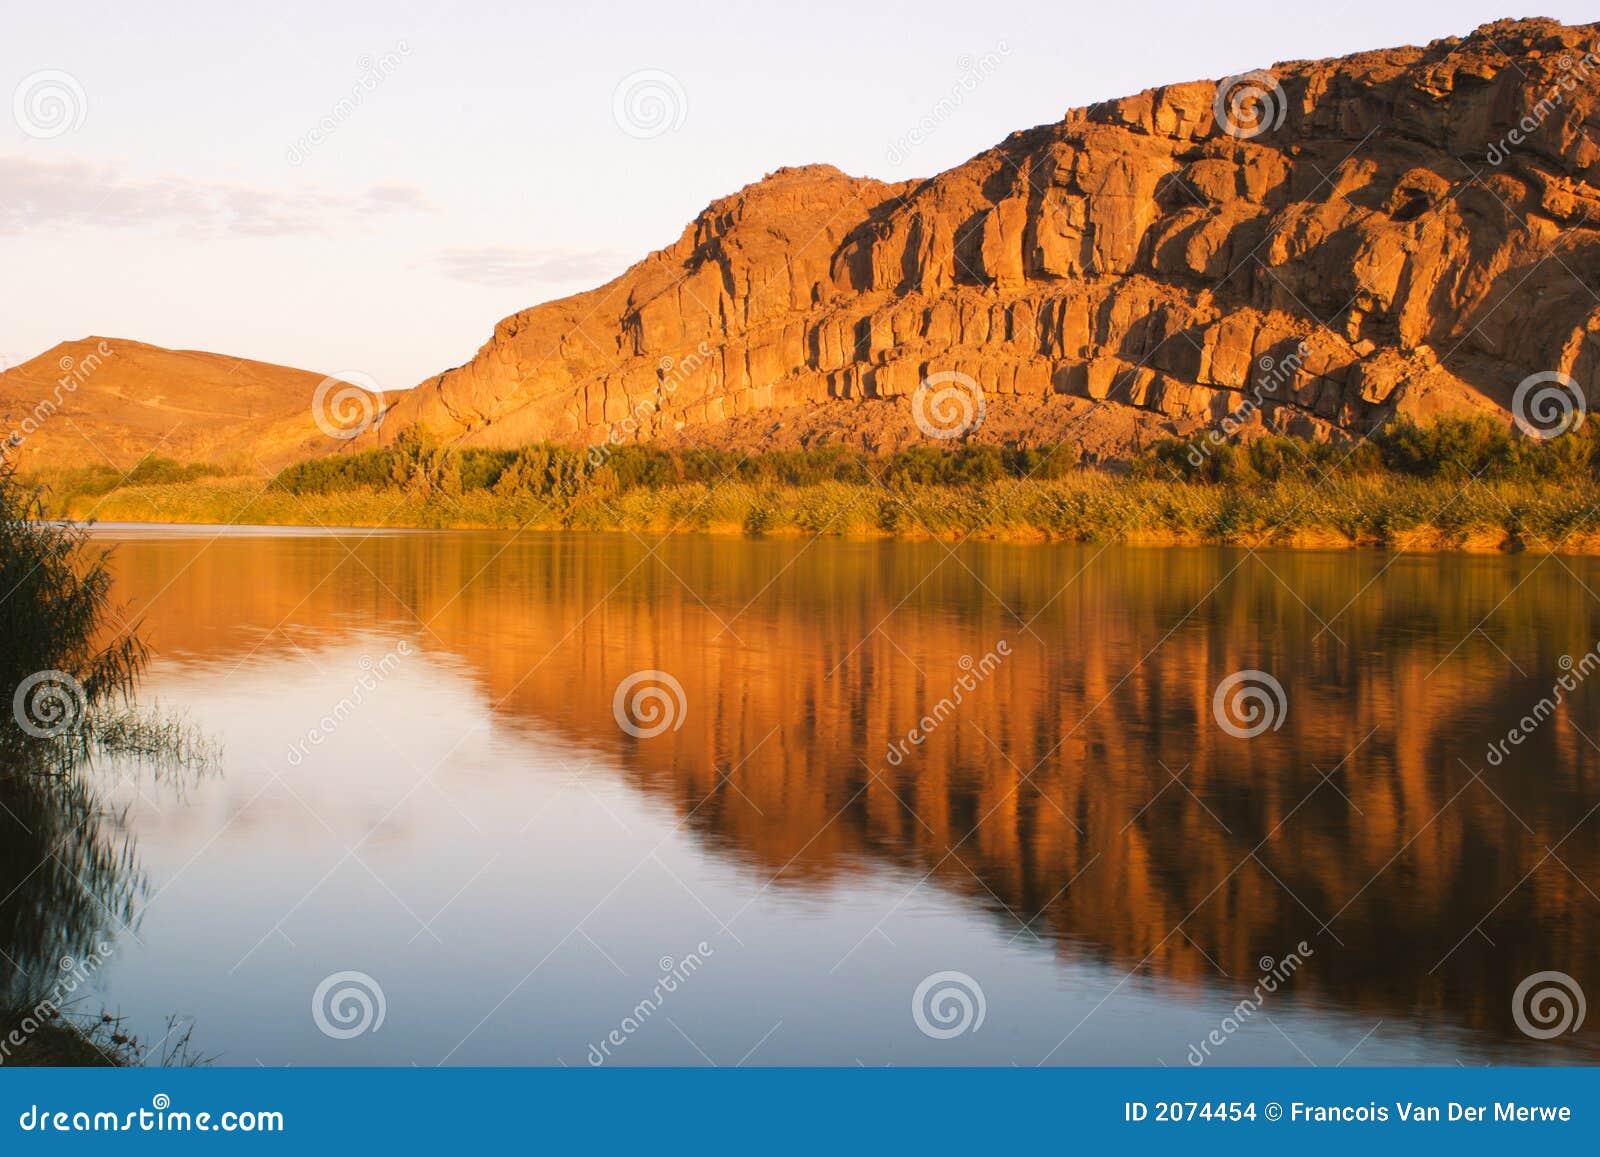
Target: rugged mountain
{"type": "Point", "coordinates": [1408, 230]}
{"type": "Point", "coordinates": [113, 401]}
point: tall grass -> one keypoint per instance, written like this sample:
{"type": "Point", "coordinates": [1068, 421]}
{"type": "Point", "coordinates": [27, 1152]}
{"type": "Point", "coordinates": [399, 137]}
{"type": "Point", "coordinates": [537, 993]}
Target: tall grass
{"type": "Point", "coordinates": [1447, 485]}
{"type": "Point", "coordinates": [69, 878]}
{"type": "Point", "coordinates": [55, 614]}
{"type": "Point", "coordinates": [74, 483]}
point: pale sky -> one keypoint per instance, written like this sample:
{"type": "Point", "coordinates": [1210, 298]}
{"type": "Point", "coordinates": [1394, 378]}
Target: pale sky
{"type": "Point", "coordinates": [174, 193]}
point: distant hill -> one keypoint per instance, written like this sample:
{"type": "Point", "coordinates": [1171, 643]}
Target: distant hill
{"type": "Point", "coordinates": [114, 401]}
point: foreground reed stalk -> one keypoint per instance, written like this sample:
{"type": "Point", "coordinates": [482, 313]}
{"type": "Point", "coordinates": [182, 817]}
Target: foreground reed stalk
{"type": "Point", "coordinates": [69, 878]}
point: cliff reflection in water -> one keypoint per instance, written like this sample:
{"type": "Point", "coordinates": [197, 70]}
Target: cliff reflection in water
{"type": "Point", "coordinates": [1082, 786]}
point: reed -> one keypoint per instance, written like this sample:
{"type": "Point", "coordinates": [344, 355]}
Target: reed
{"type": "Point", "coordinates": [1454, 484]}
{"type": "Point", "coordinates": [69, 666]}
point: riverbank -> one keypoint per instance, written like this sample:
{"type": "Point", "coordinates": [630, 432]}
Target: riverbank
{"type": "Point", "coordinates": [58, 1041]}
{"type": "Point", "coordinates": [1458, 485]}
{"type": "Point", "coordinates": [1394, 512]}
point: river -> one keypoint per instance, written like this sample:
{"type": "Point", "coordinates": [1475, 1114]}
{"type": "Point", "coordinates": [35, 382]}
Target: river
{"type": "Point", "coordinates": [490, 798]}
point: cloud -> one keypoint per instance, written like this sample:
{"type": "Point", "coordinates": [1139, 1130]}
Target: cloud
{"type": "Point", "coordinates": [506, 265]}
{"type": "Point", "coordinates": [36, 193]}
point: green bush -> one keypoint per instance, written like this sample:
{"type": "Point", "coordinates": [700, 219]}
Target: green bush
{"type": "Point", "coordinates": [551, 472]}
{"type": "Point", "coordinates": [330, 475]}
{"type": "Point", "coordinates": [1447, 448]}
{"type": "Point", "coordinates": [1484, 448]}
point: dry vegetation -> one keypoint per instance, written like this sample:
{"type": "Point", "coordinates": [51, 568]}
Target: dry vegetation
{"type": "Point", "coordinates": [1458, 484]}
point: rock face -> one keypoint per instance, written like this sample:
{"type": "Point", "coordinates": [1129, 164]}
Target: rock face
{"type": "Point", "coordinates": [111, 401]}
{"type": "Point", "coordinates": [1405, 231]}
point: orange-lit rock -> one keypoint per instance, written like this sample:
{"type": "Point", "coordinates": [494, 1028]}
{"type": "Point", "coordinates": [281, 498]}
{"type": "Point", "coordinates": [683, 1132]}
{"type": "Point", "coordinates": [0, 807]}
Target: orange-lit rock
{"type": "Point", "coordinates": [1132, 257]}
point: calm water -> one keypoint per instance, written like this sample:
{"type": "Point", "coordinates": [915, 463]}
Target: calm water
{"type": "Point", "coordinates": [474, 831]}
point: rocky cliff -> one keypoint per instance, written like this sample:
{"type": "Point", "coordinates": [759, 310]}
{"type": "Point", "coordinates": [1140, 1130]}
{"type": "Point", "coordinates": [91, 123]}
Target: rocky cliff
{"type": "Point", "coordinates": [1325, 244]}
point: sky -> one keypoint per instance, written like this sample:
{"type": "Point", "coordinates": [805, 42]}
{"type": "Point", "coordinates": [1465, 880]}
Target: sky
{"type": "Point", "coordinates": [369, 187]}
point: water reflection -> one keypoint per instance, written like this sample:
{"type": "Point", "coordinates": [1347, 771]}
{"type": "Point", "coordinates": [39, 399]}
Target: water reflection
{"type": "Point", "coordinates": [69, 879]}
{"type": "Point", "coordinates": [1082, 792]}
